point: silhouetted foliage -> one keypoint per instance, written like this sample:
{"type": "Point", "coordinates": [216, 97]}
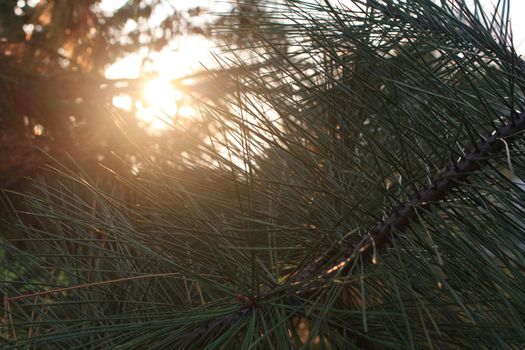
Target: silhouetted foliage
{"type": "Point", "coordinates": [54, 97]}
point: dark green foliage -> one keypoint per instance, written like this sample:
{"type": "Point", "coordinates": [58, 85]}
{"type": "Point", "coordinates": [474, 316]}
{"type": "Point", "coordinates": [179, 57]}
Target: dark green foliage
{"type": "Point", "coordinates": [363, 109]}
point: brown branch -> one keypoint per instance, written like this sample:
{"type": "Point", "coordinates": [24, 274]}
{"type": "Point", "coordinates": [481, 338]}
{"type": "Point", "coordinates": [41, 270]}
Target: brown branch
{"type": "Point", "coordinates": [399, 220]}
{"type": "Point", "coordinates": [402, 215]}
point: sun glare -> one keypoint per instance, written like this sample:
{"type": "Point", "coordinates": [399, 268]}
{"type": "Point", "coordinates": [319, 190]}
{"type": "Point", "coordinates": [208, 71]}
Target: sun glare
{"type": "Point", "coordinates": [161, 94]}
{"type": "Point", "coordinates": [156, 107]}
{"type": "Point", "coordinates": [161, 101]}
{"type": "Point", "coordinates": [160, 105]}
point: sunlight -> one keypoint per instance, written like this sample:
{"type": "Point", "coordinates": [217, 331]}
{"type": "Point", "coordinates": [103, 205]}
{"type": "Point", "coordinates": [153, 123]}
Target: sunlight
{"type": "Point", "coordinates": [160, 106]}
{"type": "Point", "coordinates": [162, 95]}
{"type": "Point", "coordinates": [182, 57]}
{"type": "Point", "coordinates": [161, 102]}
{"type": "Point", "coordinates": [157, 105]}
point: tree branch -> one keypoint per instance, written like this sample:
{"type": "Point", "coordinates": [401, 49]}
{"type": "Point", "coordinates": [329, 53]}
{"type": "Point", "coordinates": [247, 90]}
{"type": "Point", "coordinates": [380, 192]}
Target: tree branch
{"type": "Point", "coordinates": [402, 215]}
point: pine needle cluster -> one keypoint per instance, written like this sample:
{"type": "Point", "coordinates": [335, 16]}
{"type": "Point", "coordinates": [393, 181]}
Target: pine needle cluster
{"type": "Point", "coordinates": [361, 188]}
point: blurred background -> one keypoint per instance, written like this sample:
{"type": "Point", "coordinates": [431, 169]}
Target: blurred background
{"type": "Point", "coordinates": [69, 68]}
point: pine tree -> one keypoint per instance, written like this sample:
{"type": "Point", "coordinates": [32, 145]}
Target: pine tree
{"type": "Point", "coordinates": [363, 190]}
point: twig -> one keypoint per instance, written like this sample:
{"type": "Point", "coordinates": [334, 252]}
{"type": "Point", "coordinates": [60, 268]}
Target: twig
{"type": "Point", "coordinates": [402, 215]}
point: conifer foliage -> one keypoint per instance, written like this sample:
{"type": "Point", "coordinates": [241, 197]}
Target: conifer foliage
{"type": "Point", "coordinates": [362, 190]}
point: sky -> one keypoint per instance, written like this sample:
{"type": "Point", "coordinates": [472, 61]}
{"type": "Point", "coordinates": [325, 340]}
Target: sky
{"type": "Point", "coordinates": [517, 10]}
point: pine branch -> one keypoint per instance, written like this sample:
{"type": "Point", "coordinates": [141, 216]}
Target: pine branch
{"type": "Point", "coordinates": [378, 237]}
{"type": "Point", "coordinates": [402, 215]}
